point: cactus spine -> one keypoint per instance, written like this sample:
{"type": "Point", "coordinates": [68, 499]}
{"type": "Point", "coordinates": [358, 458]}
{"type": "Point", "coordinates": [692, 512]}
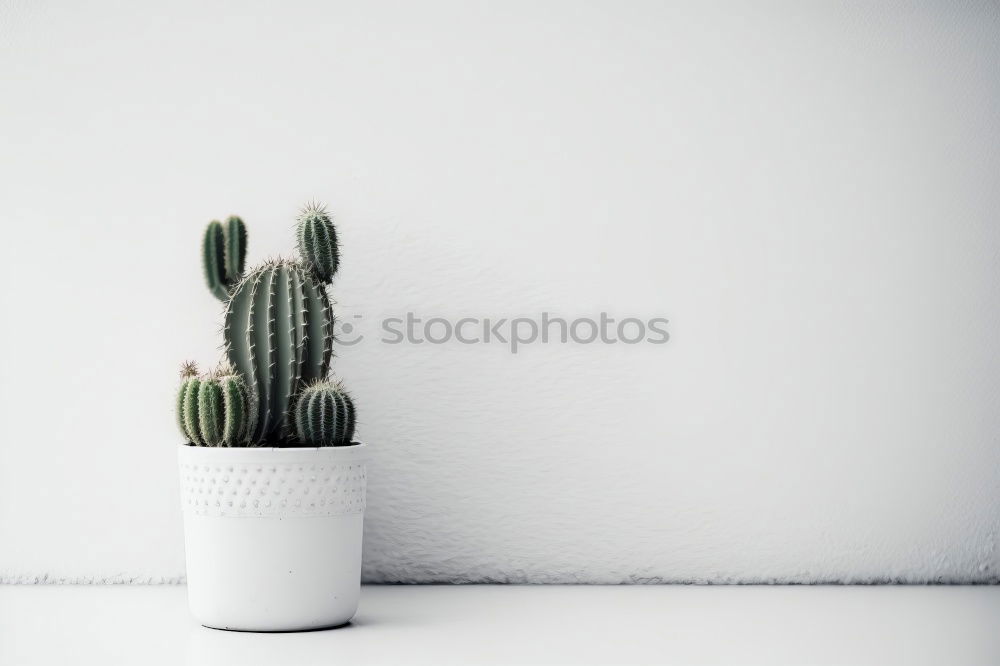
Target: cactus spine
{"type": "Point", "coordinates": [324, 415]}
{"type": "Point", "coordinates": [213, 410]}
{"type": "Point", "coordinates": [317, 241]}
{"type": "Point", "coordinates": [279, 336]}
{"type": "Point", "coordinates": [224, 251]}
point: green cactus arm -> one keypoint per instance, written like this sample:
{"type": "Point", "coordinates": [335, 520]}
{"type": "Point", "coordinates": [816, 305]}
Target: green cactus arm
{"type": "Point", "coordinates": [235, 237]}
{"type": "Point", "coordinates": [317, 242]}
{"type": "Point", "coordinates": [213, 260]}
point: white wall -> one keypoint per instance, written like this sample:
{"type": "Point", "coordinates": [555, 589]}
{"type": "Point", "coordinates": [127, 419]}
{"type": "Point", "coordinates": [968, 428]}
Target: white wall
{"type": "Point", "coordinates": [808, 193]}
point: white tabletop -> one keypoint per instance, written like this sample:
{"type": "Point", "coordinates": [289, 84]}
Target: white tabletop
{"type": "Point", "coordinates": [515, 624]}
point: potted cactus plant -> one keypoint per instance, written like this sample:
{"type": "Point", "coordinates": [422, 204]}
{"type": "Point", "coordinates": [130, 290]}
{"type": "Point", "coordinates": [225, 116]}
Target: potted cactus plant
{"type": "Point", "coordinates": [272, 482]}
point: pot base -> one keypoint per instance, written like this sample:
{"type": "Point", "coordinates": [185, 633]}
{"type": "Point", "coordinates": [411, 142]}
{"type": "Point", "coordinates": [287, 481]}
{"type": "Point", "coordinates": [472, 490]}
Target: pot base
{"type": "Point", "coordinates": [273, 574]}
{"type": "Point", "coordinates": [277, 631]}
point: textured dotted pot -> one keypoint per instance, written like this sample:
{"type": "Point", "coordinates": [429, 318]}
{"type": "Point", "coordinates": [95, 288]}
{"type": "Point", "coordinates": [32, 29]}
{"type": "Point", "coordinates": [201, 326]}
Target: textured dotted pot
{"type": "Point", "coordinates": [273, 536]}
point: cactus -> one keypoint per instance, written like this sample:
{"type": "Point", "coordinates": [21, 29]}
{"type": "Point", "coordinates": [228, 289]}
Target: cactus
{"type": "Point", "coordinates": [317, 241]}
{"type": "Point", "coordinates": [278, 342]}
{"type": "Point", "coordinates": [189, 378]}
{"type": "Point", "coordinates": [323, 415]}
{"type": "Point", "coordinates": [279, 337]}
{"type": "Point", "coordinates": [224, 251]}
{"type": "Point", "coordinates": [213, 410]}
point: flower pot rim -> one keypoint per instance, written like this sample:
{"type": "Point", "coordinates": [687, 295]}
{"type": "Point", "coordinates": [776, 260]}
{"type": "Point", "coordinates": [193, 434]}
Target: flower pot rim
{"type": "Point", "coordinates": [299, 449]}
{"type": "Point", "coordinates": [238, 455]}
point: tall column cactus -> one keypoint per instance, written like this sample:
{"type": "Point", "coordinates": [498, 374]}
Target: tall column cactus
{"type": "Point", "coordinates": [279, 336]}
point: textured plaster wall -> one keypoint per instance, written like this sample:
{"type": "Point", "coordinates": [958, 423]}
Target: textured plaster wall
{"type": "Point", "coordinates": [806, 191]}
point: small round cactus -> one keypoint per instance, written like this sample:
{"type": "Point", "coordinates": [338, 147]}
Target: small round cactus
{"type": "Point", "coordinates": [213, 410]}
{"type": "Point", "coordinates": [323, 415]}
{"type": "Point", "coordinates": [317, 240]}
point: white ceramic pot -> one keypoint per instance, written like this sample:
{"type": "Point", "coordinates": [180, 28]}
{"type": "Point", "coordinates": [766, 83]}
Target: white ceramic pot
{"type": "Point", "coordinates": [273, 536]}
